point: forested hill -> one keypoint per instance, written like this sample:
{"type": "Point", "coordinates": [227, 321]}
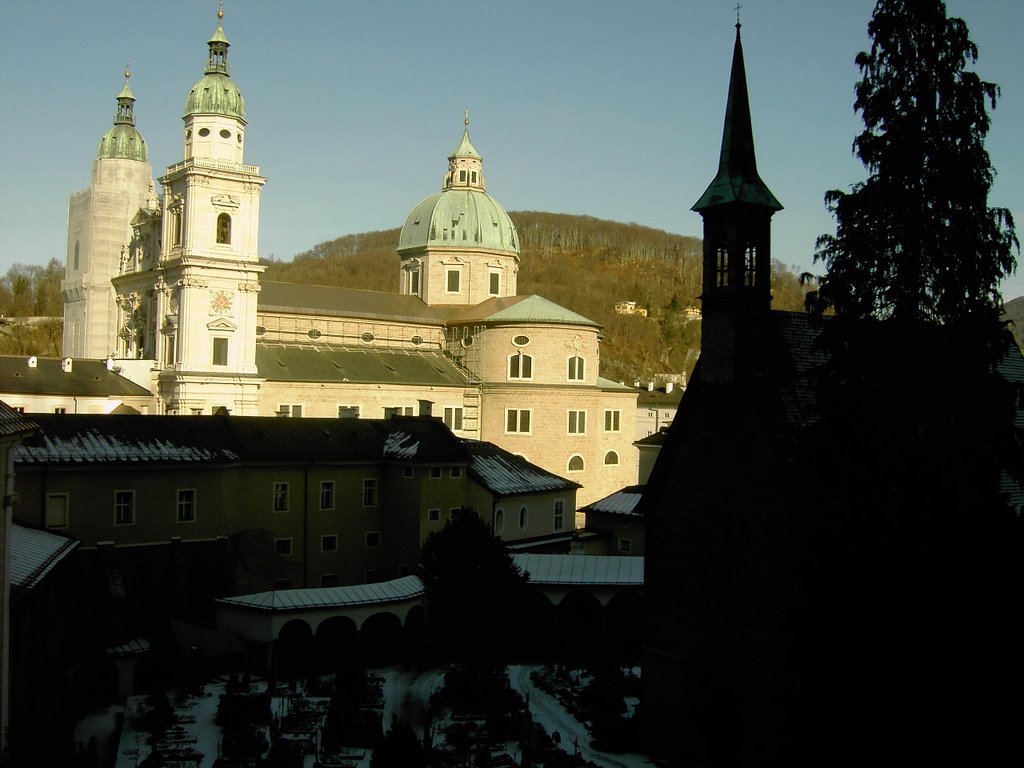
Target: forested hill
{"type": "Point", "coordinates": [582, 263]}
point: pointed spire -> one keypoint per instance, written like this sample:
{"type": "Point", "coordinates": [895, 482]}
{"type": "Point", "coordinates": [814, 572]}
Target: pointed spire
{"type": "Point", "coordinates": [737, 179]}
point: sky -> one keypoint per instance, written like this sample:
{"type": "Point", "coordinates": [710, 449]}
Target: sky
{"type": "Point", "coordinates": [608, 109]}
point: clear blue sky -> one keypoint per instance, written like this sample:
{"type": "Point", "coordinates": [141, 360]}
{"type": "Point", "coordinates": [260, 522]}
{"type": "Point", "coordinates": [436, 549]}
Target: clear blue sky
{"type": "Point", "coordinates": [593, 107]}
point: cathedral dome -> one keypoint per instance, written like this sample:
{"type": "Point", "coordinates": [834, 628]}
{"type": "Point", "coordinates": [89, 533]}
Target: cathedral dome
{"type": "Point", "coordinates": [123, 140]}
{"type": "Point", "coordinates": [462, 214]}
{"type": "Point", "coordinates": [216, 93]}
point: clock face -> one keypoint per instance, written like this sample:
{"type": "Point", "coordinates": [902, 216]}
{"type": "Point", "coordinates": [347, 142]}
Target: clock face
{"type": "Point", "coordinates": [220, 303]}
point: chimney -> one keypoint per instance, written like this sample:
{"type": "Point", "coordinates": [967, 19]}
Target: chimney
{"type": "Point", "coordinates": [650, 386]}
{"type": "Point", "coordinates": [65, 365]}
{"type": "Point", "coordinates": [668, 387]}
{"type": "Point", "coordinates": [110, 363]}
{"type": "Point", "coordinates": [426, 407]}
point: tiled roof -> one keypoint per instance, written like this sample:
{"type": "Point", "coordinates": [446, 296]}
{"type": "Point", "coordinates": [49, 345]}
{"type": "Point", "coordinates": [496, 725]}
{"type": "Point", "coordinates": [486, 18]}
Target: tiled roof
{"type": "Point", "coordinates": [405, 588]}
{"type": "Point", "coordinates": [34, 554]}
{"type": "Point", "coordinates": [659, 398]}
{"type": "Point", "coordinates": [86, 439]}
{"type": "Point", "coordinates": [505, 474]}
{"type": "Point", "coordinates": [623, 502]}
{"type": "Point", "coordinates": [299, 298]}
{"type": "Point", "coordinates": [86, 378]}
{"type": "Point", "coordinates": [593, 570]}
{"type": "Point", "coordinates": [282, 362]}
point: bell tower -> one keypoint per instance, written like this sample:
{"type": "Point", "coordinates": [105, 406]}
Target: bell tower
{"type": "Point", "coordinates": [209, 285]}
{"type": "Point", "coordinates": [737, 208]}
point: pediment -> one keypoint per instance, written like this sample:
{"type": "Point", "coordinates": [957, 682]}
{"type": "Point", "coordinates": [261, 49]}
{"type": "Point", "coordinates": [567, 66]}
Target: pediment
{"type": "Point", "coordinates": [221, 324]}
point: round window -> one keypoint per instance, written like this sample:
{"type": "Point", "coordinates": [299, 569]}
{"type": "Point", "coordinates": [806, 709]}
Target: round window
{"type": "Point", "coordinates": [204, 131]}
{"type": "Point", "coordinates": [521, 341]}
{"type": "Point", "coordinates": [225, 133]}
{"type": "Point", "coordinates": [261, 330]}
{"type": "Point", "coordinates": [313, 333]}
{"type": "Point", "coordinates": [367, 337]}
{"type": "Point", "coordinates": [417, 340]}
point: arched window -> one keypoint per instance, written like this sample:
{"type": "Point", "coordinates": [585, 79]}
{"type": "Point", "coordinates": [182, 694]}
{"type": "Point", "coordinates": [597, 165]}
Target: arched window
{"type": "Point", "coordinates": [577, 367]}
{"type": "Point", "coordinates": [721, 266]}
{"type": "Point", "coordinates": [611, 458]}
{"type": "Point", "coordinates": [520, 366]}
{"type": "Point", "coordinates": [524, 515]}
{"type": "Point", "coordinates": [499, 521]}
{"type": "Point", "coordinates": [224, 229]}
{"type": "Point", "coordinates": [576, 463]}
{"type": "Point", "coordinates": [749, 262]}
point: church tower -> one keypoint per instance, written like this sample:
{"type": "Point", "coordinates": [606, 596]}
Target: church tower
{"type": "Point", "coordinates": [737, 209]}
{"type": "Point", "coordinates": [207, 291]}
{"type": "Point", "coordinates": [458, 246]}
{"type": "Point", "coordinates": [100, 233]}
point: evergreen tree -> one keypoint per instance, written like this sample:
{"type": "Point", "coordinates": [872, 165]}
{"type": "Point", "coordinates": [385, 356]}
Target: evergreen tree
{"type": "Point", "coordinates": [917, 239]}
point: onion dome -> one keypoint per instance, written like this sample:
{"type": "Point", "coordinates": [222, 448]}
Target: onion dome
{"type": "Point", "coordinates": [123, 140]}
{"type": "Point", "coordinates": [462, 214]}
{"type": "Point", "coordinates": [216, 93]}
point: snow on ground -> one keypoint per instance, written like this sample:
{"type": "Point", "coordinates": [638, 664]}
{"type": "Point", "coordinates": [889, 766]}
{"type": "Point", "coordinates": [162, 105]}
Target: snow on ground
{"type": "Point", "coordinates": [549, 712]}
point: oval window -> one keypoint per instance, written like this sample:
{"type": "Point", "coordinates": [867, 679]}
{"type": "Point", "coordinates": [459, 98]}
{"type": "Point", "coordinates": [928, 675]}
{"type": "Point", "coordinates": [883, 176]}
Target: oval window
{"type": "Point", "coordinates": [468, 341]}
{"type": "Point", "coordinates": [260, 330]}
{"type": "Point", "coordinates": [417, 340]}
{"type": "Point", "coordinates": [188, 134]}
{"type": "Point", "coordinates": [239, 138]}
{"type": "Point", "coordinates": [313, 333]}
{"type": "Point", "coordinates": [225, 133]}
{"type": "Point", "coordinates": [204, 131]}
{"type": "Point", "coordinates": [521, 341]}
{"type": "Point", "coordinates": [367, 337]}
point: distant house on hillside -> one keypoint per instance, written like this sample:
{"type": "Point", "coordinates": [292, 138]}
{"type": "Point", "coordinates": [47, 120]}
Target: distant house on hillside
{"type": "Point", "coordinates": [630, 308]}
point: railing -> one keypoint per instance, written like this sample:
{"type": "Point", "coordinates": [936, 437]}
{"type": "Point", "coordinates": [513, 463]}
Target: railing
{"type": "Point", "coordinates": [217, 165]}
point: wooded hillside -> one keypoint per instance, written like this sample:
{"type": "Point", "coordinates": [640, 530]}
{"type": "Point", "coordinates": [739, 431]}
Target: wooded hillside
{"type": "Point", "coordinates": [582, 263]}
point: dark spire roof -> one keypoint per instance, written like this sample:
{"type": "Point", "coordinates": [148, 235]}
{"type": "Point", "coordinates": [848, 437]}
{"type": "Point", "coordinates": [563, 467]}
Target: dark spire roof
{"type": "Point", "coordinates": [737, 180]}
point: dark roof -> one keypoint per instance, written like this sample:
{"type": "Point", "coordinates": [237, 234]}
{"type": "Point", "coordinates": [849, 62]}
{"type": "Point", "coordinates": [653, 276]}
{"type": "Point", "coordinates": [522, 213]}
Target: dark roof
{"type": "Point", "coordinates": [658, 398]}
{"type": "Point", "coordinates": [737, 180]}
{"type": "Point", "coordinates": [657, 439]}
{"type": "Point", "coordinates": [505, 474]}
{"type": "Point", "coordinates": [156, 440]}
{"type": "Point", "coordinates": [87, 378]}
{"type": "Point", "coordinates": [622, 502]}
{"type": "Point", "coordinates": [35, 553]}
{"type": "Point", "coordinates": [376, 365]}
{"type": "Point", "coordinates": [13, 422]}
{"type": "Point", "coordinates": [299, 298]}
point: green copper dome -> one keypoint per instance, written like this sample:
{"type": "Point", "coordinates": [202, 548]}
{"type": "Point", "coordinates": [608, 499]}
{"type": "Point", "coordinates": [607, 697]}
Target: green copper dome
{"type": "Point", "coordinates": [462, 214]}
{"type": "Point", "coordinates": [459, 218]}
{"type": "Point", "coordinates": [123, 140]}
{"type": "Point", "coordinates": [216, 93]}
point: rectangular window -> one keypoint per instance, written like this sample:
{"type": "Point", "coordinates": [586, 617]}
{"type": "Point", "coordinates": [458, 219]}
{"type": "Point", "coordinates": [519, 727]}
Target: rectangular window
{"type": "Point", "coordinates": [372, 539]}
{"type": "Point", "coordinates": [329, 543]}
{"type": "Point", "coordinates": [186, 505]}
{"type": "Point", "coordinates": [721, 267]}
{"type": "Point", "coordinates": [625, 545]}
{"type": "Point", "coordinates": [397, 411]}
{"type": "Point", "coordinates": [280, 497]}
{"type": "Point", "coordinates": [454, 513]}
{"type": "Point", "coordinates": [494, 288]}
{"type": "Point", "coordinates": [56, 510]}
{"type": "Point", "coordinates": [408, 472]}
{"type": "Point", "coordinates": [453, 279]}
{"type": "Point", "coordinates": [433, 515]}
{"type": "Point", "coordinates": [348, 411]}
{"type": "Point", "coordinates": [456, 472]}
{"type": "Point", "coordinates": [124, 507]}
{"type": "Point", "coordinates": [435, 473]}
{"type": "Point", "coordinates": [453, 418]}
{"type": "Point", "coordinates": [517, 420]}
{"type": "Point", "coordinates": [577, 422]}
{"type": "Point", "coordinates": [282, 547]}
{"type": "Point", "coordinates": [60, 410]}
{"type": "Point", "coordinates": [220, 351]}
{"type": "Point", "coordinates": [558, 519]}
{"type": "Point", "coordinates": [611, 421]}
{"type": "Point", "coordinates": [293, 411]}
{"type": "Point", "coordinates": [329, 580]}
{"type": "Point", "coordinates": [327, 494]}
{"type": "Point", "coordinates": [414, 282]}
{"type": "Point", "coordinates": [369, 492]}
